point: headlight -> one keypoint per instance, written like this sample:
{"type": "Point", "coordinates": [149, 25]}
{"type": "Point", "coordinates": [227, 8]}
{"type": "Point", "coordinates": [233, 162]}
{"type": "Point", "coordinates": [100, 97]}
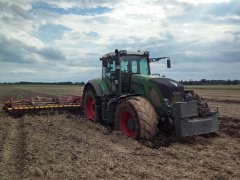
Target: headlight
{"type": "Point", "coordinates": [123, 52]}
{"type": "Point", "coordinates": [168, 103]}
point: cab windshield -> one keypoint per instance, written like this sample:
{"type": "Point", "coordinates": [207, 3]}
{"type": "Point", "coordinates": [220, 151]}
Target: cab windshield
{"type": "Point", "coordinates": [129, 64]}
{"type": "Point", "coordinates": [134, 64]}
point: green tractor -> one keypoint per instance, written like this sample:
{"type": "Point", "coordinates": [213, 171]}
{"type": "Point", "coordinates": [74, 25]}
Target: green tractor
{"type": "Point", "coordinates": [130, 99]}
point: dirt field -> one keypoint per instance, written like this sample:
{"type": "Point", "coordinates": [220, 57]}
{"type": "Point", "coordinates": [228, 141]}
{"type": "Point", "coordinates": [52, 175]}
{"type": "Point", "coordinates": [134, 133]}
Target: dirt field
{"type": "Point", "coordinates": [66, 146]}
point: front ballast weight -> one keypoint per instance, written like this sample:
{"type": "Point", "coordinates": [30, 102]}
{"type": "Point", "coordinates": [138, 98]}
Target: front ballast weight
{"type": "Point", "coordinates": [189, 123]}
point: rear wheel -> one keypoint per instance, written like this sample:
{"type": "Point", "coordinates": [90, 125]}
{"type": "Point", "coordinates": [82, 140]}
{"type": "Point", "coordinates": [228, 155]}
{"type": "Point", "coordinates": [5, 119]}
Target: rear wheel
{"type": "Point", "coordinates": [136, 118]}
{"type": "Point", "coordinates": [92, 105]}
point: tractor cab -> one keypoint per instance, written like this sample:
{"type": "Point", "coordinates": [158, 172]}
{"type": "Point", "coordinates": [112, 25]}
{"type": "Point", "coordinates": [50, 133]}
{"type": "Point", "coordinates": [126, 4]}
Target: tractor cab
{"type": "Point", "coordinates": [131, 63]}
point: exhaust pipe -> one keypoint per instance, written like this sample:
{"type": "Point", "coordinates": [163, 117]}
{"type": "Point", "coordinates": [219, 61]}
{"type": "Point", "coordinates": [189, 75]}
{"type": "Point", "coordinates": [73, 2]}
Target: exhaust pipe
{"type": "Point", "coordinates": [118, 74]}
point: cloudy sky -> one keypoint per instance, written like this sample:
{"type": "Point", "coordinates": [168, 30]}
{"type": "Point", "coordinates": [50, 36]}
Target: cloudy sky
{"type": "Point", "coordinates": [62, 40]}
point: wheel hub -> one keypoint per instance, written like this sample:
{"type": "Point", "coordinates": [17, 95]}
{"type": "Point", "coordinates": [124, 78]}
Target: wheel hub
{"type": "Point", "coordinates": [131, 125]}
{"type": "Point", "coordinates": [127, 124]}
{"type": "Point", "coordinates": [91, 115]}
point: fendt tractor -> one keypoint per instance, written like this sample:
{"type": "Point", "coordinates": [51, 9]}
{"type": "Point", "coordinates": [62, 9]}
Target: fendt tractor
{"type": "Point", "coordinates": [128, 98]}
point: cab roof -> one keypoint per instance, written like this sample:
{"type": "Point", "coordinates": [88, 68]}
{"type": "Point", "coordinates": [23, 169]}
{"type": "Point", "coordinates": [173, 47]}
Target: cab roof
{"type": "Point", "coordinates": [139, 53]}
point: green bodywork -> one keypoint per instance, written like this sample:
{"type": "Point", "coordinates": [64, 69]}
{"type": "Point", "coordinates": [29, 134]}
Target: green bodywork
{"type": "Point", "coordinates": [101, 86]}
{"type": "Point", "coordinates": [140, 84]}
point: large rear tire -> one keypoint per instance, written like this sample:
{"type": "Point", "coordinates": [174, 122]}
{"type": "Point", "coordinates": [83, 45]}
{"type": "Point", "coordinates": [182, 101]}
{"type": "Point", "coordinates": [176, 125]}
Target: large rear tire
{"type": "Point", "coordinates": [136, 118]}
{"type": "Point", "coordinates": [92, 105]}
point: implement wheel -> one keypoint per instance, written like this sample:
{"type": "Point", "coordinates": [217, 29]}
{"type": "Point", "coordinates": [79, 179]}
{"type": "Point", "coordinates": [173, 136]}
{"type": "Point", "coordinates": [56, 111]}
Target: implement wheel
{"type": "Point", "coordinates": [136, 118]}
{"type": "Point", "coordinates": [92, 105]}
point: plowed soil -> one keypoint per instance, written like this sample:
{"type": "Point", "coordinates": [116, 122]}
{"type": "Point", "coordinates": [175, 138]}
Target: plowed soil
{"type": "Point", "coordinates": [64, 145]}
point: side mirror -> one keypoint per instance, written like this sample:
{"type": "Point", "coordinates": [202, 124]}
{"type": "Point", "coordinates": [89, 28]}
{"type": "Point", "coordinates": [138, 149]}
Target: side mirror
{"type": "Point", "coordinates": [104, 63]}
{"type": "Point", "coordinates": [168, 63]}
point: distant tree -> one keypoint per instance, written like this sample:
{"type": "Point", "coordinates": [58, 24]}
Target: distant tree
{"type": "Point", "coordinates": [203, 81]}
{"type": "Point", "coordinates": [211, 82]}
{"type": "Point", "coordinates": [79, 83]}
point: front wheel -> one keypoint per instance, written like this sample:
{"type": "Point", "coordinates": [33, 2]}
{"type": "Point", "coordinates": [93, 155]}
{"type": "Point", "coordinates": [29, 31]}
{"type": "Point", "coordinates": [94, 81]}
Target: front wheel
{"type": "Point", "coordinates": [92, 106]}
{"type": "Point", "coordinates": [136, 118]}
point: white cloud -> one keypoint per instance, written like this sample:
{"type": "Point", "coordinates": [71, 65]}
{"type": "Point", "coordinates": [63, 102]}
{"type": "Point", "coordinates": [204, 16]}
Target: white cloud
{"type": "Point", "coordinates": [83, 3]}
{"type": "Point", "coordinates": [227, 17]}
{"type": "Point", "coordinates": [159, 26]}
{"type": "Point", "coordinates": [23, 70]}
{"type": "Point", "coordinates": [203, 1]}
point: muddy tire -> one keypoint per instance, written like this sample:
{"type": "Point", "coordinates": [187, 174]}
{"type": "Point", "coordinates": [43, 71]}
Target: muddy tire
{"type": "Point", "coordinates": [92, 105]}
{"type": "Point", "coordinates": [136, 118]}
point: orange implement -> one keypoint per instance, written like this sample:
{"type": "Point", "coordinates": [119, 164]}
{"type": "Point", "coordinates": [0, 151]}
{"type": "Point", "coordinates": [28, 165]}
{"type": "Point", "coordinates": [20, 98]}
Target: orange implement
{"type": "Point", "coordinates": [43, 103]}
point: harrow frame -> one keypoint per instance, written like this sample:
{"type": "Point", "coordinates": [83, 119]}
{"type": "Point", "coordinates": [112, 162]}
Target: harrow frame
{"type": "Point", "coordinates": [37, 103]}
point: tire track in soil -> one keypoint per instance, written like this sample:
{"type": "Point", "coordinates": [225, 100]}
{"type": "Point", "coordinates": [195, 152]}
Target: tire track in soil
{"type": "Point", "coordinates": [227, 101]}
{"type": "Point", "coordinates": [227, 125]}
{"type": "Point", "coordinates": [12, 152]}
{"type": "Point", "coordinates": [230, 126]}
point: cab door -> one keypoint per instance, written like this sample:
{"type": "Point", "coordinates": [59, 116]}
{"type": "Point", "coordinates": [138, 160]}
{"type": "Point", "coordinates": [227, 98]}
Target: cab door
{"type": "Point", "coordinates": [108, 73]}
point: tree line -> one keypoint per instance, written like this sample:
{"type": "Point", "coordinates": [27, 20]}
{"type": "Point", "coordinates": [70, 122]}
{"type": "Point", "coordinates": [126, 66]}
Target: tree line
{"type": "Point", "coordinates": [45, 83]}
{"type": "Point", "coordinates": [210, 82]}
{"type": "Point", "coordinates": [190, 82]}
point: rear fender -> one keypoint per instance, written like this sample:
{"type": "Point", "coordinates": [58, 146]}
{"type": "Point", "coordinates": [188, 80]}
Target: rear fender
{"type": "Point", "coordinates": [99, 86]}
{"type": "Point", "coordinates": [128, 95]}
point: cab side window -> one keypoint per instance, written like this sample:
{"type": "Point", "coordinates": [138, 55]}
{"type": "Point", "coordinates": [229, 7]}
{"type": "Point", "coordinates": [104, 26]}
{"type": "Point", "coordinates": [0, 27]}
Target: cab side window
{"type": "Point", "coordinates": [135, 67]}
{"type": "Point", "coordinates": [108, 68]}
{"type": "Point", "coordinates": [124, 66]}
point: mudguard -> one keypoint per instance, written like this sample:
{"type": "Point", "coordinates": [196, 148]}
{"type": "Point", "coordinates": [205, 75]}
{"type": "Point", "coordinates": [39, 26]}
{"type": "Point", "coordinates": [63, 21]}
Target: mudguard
{"type": "Point", "coordinates": [100, 87]}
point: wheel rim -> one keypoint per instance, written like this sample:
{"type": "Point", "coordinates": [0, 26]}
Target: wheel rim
{"type": "Point", "coordinates": [127, 124]}
{"type": "Point", "coordinates": [91, 115]}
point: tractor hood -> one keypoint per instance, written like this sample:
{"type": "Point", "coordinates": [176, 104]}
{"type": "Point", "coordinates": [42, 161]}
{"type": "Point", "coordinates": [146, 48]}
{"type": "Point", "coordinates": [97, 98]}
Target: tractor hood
{"type": "Point", "coordinates": [170, 89]}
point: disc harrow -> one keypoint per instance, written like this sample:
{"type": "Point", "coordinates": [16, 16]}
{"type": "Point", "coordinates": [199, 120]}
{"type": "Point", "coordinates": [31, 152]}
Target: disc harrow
{"type": "Point", "coordinates": [40, 103]}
